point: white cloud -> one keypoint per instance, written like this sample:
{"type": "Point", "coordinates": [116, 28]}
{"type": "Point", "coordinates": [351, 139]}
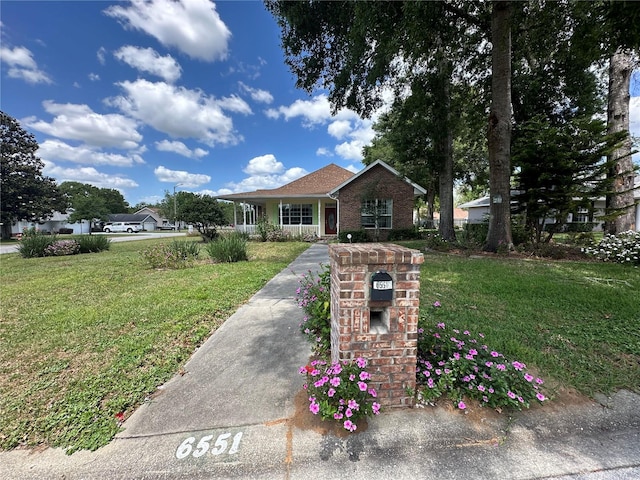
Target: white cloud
{"type": "Point", "coordinates": [345, 124]}
{"type": "Point", "coordinates": [101, 55]}
{"type": "Point", "coordinates": [181, 149]}
{"type": "Point", "coordinates": [22, 65]}
{"type": "Point", "coordinates": [339, 129]}
{"type": "Point", "coordinates": [353, 168]}
{"type": "Point", "coordinates": [192, 26]}
{"type": "Point", "coordinates": [79, 122]}
{"type": "Point", "coordinates": [189, 180]}
{"type": "Point", "coordinates": [350, 150]}
{"type": "Point", "coordinates": [323, 152]}
{"type": "Point", "coordinates": [265, 172]}
{"type": "Point", "coordinates": [258, 95]}
{"type": "Point", "coordinates": [179, 112]}
{"type": "Point", "coordinates": [57, 150]}
{"type": "Point", "coordinates": [87, 175]}
{"type": "Point", "coordinates": [147, 60]}
{"type": "Point", "coordinates": [94, 77]}
{"type": "Point", "coordinates": [264, 165]}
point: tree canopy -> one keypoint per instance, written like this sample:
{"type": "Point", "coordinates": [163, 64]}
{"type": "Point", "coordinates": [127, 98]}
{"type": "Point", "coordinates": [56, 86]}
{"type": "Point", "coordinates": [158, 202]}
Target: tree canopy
{"type": "Point", "coordinates": [27, 194]}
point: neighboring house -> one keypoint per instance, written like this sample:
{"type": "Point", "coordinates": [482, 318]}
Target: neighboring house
{"type": "Point", "coordinates": [155, 214]}
{"type": "Point", "coordinates": [331, 200]}
{"type": "Point", "coordinates": [479, 210]}
{"type": "Point", "coordinates": [52, 224]}
{"type": "Point", "coordinates": [460, 217]}
{"type": "Point", "coordinates": [147, 222]}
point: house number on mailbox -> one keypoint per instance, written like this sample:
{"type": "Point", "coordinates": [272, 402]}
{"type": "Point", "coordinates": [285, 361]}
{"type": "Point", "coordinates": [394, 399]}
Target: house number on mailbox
{"type": "Point", "coordinates": [381, 286]}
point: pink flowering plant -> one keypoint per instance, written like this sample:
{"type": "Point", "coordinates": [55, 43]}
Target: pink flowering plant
{"type": "Point", "coordinates": [460, 364]}
{"type": "Point", "coordinates": [313, 296]}
{"type": "Point", "coordinates": [340, 392]}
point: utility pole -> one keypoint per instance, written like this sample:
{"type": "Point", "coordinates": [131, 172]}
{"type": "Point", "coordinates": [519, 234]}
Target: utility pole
{"type": "Point", "coordinates": [175, 206]}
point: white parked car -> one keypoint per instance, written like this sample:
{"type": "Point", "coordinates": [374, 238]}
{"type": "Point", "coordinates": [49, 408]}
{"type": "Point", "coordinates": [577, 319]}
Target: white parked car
{"type": "Point", "coordinates": [128, 227]}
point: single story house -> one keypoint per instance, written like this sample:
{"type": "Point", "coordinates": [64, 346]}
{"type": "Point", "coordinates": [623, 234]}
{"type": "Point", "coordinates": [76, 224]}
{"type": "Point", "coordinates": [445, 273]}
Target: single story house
{"type": "Point", "coordinates": [146, 221]}
{"type": "Point", "coordinates": [154, 213]}
{"type": "Point", "coordinates": [333, 199]}
{"type": "Point", "coordinates": [479, 210]}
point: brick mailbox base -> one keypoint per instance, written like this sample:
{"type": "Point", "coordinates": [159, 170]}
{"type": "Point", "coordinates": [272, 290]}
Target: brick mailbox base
{"type": "Point", "coordinates": [385, 332]}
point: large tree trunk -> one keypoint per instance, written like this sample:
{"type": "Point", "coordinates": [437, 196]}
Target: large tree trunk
{"type": "Point", "coordinates": [445, 147]}
{"type": "Point", "coordinates": [499, 130]}
{"type": "Point", "coordinates": [620, 202]}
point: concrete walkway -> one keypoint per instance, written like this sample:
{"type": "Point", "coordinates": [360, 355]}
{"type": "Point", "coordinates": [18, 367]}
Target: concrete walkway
{"type": "Point", "coordinates": [233, 415]}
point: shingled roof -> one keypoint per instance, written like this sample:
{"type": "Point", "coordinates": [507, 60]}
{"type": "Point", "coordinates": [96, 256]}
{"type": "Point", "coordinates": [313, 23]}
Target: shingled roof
{"type": "Point", "coordinates": [315, 184]}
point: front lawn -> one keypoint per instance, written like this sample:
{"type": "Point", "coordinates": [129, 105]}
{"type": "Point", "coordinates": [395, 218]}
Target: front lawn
{"type": "Point", "coordinates": [86, 338]}
{"type": "Point", "coordinates": [575, 322]}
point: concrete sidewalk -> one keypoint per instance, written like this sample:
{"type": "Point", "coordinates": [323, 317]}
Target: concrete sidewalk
{"type": "Point", "coordinates": [233, 415]}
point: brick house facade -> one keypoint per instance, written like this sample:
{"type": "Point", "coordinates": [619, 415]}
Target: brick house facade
{"type": "Point", "coordinates": [378, 182]}
{"type": "Point", "coordinates": [333, 199]}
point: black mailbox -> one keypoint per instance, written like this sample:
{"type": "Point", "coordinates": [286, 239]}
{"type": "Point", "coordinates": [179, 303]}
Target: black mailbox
{"type": "Point", "coordinates": [381, 286]}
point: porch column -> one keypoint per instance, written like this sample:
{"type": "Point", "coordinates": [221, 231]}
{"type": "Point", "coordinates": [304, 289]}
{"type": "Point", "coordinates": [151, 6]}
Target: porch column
{"type": "Point", "coordinates": [235, 216]}
{"type": "Point", "coordinates": [280, 213]}
{"type": "Point", "coordinates": [319, 218]}
{"type": "Point", "coordinates": [244, 217]}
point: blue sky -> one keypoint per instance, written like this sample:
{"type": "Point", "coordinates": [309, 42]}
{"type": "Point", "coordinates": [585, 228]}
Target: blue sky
{"type": "Point", "coordinates": [146, 95]}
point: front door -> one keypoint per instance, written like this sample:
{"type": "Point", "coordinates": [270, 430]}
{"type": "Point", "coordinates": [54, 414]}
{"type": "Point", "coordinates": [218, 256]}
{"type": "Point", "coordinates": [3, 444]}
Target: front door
{"type": "Point", "coordinates": [330, 220]}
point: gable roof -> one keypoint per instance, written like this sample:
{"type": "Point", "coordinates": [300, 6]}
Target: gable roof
{"type": "Point", "coordinates": [417, 189]}
{"type": "Point", "coordinates": [130, 217]}
{"type": "Point", "coordinates": [315, 184]}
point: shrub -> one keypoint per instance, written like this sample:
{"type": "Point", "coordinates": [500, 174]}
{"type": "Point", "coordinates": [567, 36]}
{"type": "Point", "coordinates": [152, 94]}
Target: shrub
{"type": "Point", "coordinates": [34, 243]}
{"type": "Point", "coordinates": [229, 248]}
{"type": "Point", "coordinates": [163, 256]}
{"type": "Point", "coordinates": [621, 248]}
{"type": "Point", "coordinates": [185, 249]}
{"type": "Point", "coordinates": [93, 243]}
{"type": "Point", "coordinates": [404, 234]}
{"type": "Point", "coordinates": [277, 234]}
{"type": "Point", "coordinates": [475, 233]}
{"type": "Point", "coordinates": [314, 297]}
{"type": "Point", "coordinates": [60, 248]}
{"type": "Point", "coordinates": [459, 365]}
{"type": "Point", "coordinates": [434, 241]}
{"type": "Point", "coordinates": [357, 236]}
{"type": "Point", "coordinates": [340, 392]}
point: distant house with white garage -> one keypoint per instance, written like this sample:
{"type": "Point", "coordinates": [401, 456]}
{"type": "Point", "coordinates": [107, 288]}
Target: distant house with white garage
{"type": "Point", "coordinates": [478, 210]}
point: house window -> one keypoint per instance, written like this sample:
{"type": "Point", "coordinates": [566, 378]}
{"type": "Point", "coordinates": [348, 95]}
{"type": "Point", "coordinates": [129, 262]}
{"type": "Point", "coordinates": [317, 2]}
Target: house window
{"type": "Point", "coordinates": [581, 215]}
{"type": "Point", "coordinates": [377, 213]}
{"type": "Point", "coordinates": [296, 214]}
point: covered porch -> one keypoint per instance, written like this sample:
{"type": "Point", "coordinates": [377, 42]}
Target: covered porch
{"type": "Point", "coordinates": [303, 216]}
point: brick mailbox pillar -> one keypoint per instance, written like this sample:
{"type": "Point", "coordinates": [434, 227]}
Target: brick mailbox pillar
{"type": "Point", "coordinates": [375, 300]}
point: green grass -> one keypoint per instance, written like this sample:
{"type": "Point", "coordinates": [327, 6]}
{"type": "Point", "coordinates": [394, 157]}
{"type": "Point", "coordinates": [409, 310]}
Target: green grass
{"type": "Point", "coordinates": [577, 323]}
{"type": "Point", "coordinates": [86, 337]}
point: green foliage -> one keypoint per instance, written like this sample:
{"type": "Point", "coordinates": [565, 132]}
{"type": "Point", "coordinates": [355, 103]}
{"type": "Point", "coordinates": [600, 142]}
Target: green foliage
{"type": "Point", "coordinates": [229, 248]}
{"type": "Point", "coordinates": [434, 241]}
{"type": "Point", "coordinates": [339, 392]}
{"type": "Point", "coordinates": [93, 243]}
{"type": "Point", "coordinates": [26, 193]}
{"type": "Point", "coordinates": [185, 249]}
{"type": "Point", "coordinates": [560, 169]}
{"type": "Point", "coordinates": [314, 297]}
{"type": "Point", "coordinates": [175, 255]}
{"type": "Point", "coordinates": [264, 227]}
{"type": "Point", "coordinates": [61, 248]}
{"type": "Point", "coordinates": [204, 212]}
{"type": "Point", "coordinates": [621, 248]}
{"type": "Point", "coordinates": [34, 243]}
{"type": "Point", "coordinates": [475, 233]}
{"type": "Point", "coordinates": [269, 232]}
{"type": "Point", "coordinates": [457, 364]}
{"type": "Point", "coordinates": [357, 236]}
{"type": "Point", "coordinates": [404, 234]}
